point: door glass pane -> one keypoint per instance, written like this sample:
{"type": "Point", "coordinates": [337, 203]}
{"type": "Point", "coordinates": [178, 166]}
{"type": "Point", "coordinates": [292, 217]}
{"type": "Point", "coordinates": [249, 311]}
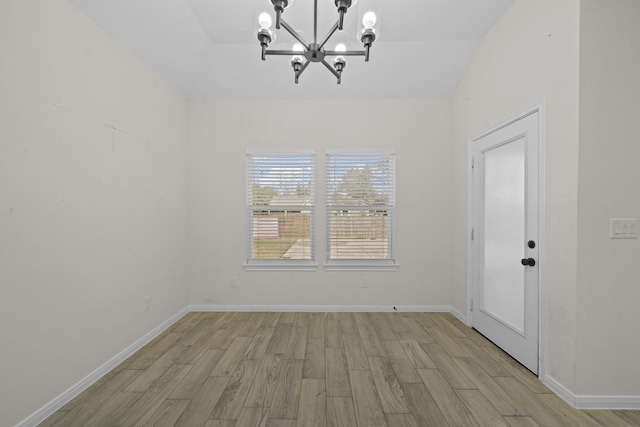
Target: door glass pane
{"type": "Point", "coordinates": [504, 228]}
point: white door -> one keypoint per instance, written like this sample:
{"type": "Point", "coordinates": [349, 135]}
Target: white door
{"type": "Point", "coordinates": [505, 278]}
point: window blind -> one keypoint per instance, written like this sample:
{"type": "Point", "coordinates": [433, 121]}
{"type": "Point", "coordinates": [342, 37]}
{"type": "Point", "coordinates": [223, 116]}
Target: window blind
{"type": "Point", "coordinates": [360, 206]}
{"type": "Point", "coordinates": [280, 206]}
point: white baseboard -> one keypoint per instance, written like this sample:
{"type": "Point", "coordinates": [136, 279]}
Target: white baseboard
{"type": "Point", "coordinates": [461, 317]}
{"type": "Point", "coordinates": [592, 402]}
{"type": "Point", "coordinates": [326, 308]}
{"type": "Point", "coordinates": [560, 390]}
{"type": "Point", "coordinates": [57, 403]}
{"type": "Point", "coordinates": [608, 402]}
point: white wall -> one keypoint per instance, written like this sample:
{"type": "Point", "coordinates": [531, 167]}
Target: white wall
{"type": "Point", "coordinates": [608, 343]}
{"type": "Point", "coordinates": [531, 53]}
{"type": "Point", "coordinates": [91, 220]}
{"type": "Point", "coordinates": [220, 134]}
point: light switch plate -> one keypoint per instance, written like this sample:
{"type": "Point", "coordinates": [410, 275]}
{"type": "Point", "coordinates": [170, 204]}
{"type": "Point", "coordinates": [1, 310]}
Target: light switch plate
{"type": "Point", "coordinates": [624, 228]}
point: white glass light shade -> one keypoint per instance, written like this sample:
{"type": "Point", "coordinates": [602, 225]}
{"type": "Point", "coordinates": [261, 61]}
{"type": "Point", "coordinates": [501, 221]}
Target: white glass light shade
{"type": "Point", "coordinates": [340, 59]}
{"type": "Point", "coordinates": [265, 20]}
{"type": "Point", "coordinates": [369, 20]}
{"type": "Point", "coordinates": [298, 58]}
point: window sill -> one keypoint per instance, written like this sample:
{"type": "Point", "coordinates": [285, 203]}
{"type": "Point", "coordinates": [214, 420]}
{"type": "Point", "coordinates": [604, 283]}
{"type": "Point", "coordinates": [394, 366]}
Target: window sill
{"type": "Point", "coordinates": [280, 266]}
{"type": "Point", "coordinates": [357, 265]}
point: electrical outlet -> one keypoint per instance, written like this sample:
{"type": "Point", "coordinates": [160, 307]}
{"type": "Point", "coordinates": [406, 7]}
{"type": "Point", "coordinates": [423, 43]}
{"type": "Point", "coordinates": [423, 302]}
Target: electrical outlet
{"type": "Point", "coordinates": [234, 281]}
{"type": "Point", "coordinates": [365, 282]}
{"type": "Point", "coordinates": [147, 303]}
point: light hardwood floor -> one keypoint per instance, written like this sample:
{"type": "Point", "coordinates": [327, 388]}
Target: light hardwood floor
{"type": "Point", "coordinates": [323, 369]}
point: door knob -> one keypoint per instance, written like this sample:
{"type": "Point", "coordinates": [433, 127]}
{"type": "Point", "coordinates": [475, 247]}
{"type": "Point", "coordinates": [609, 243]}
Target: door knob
{"type": "Point", "coordinates": [528, 261]}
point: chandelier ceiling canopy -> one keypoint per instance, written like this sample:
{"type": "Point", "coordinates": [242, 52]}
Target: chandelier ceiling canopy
{"type": "Point", "coordinates": [304, 53]}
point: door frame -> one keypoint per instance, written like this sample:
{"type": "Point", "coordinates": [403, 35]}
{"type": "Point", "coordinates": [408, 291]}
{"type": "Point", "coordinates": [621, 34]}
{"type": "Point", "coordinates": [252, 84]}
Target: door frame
{"type": "Point", "coordinates": [543, 309]}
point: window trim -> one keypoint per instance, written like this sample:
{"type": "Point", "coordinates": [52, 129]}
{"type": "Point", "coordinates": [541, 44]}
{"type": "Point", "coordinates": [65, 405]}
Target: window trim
{"type": "Point", "coordinates": [361, 265]}
{"type": "Point", "coordinates": [389, 264]}
{"type": "Point", "coordinates": [280, 264]}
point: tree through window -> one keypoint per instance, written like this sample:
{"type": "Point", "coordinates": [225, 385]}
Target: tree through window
{"type": "Point", "coordinates": [360, 206]}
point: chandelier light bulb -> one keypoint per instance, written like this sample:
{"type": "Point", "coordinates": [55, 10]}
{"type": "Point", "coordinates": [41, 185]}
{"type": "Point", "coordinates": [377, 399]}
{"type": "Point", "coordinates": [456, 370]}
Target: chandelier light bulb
{"type": "Point", "coordinates": [369, 20]}
{"type": "Point", "coordinates": [265, 20]}
{"type": "Point", "coordinates": [338, 62]}
{"type": "Point", "coordinates": [297, 60]}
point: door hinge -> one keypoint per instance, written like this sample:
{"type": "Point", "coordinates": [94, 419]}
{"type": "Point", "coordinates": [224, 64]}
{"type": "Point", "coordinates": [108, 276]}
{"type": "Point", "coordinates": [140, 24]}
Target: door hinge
{"type": "Point", "coordinates": [472, 233]}
{"type": "Point", "coordinates": [473, 162]}
{"type": "Point", "coordinates": [471, 305]}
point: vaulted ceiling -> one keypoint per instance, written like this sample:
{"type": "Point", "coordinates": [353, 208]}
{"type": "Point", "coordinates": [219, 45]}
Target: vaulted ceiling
{"type": "Point", "coordinates": [208, 49]}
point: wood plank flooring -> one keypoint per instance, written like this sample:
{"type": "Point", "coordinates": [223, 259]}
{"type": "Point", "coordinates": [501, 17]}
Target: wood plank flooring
{"type": "Point", "coordinates": [324, 370]}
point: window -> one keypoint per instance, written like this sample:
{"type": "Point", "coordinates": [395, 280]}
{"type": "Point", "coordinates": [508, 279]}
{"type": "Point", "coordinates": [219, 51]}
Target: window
{"type": "Point", "coordinates": [280, 210]}
{"type": "Point", "coordinates": [360, 209]}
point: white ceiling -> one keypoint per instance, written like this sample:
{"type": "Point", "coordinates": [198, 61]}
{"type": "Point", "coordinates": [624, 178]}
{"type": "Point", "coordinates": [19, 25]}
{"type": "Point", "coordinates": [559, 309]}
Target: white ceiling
{"type": "Point", "coordinates": [208, 48]}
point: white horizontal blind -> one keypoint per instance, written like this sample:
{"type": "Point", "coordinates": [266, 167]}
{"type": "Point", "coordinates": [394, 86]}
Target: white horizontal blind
{"type": "Point", "coordinates": [280, 205]}
{"type": "Point", "coordinates": [360, 206]}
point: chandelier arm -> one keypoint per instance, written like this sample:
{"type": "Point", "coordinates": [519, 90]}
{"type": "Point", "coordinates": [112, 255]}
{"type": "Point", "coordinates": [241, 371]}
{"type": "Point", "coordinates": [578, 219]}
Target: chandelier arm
{"type": "Point", "coordinates": [295, 34]}
{"type": "Point", "coordinates": [346, 53]}
{"type": "Point", "coordinates": [330, 68]}
{"type": "Point", "coordinates": [304, 67]}
{"type": "Point", "coordinates": [301, 70]}
{"type": "Point", "coordinates": [278, 18]}
{"type": "Point", "coordinates": [281, 52]}
{"type": "Point", "coordinates": [331, 32]}
{"type": "Point", "coordinates": [315, 21]}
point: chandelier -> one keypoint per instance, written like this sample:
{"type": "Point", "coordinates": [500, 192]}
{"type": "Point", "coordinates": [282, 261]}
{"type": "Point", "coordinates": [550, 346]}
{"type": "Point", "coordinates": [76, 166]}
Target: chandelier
{"type": "Point", "coordinates": [304, 53]}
